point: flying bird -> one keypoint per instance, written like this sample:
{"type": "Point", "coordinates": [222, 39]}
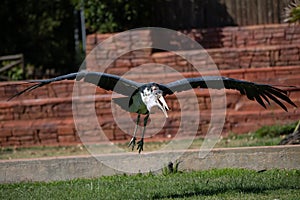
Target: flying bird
{"type": "Point", "coordinates": [140, 98]}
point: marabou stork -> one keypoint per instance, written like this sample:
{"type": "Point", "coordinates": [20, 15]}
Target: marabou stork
{"type": "Point", "coordinates": [141, 97]}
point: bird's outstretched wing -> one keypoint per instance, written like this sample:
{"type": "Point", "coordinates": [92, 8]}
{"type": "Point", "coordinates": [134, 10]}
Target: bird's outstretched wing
{"type": "Point", "coordinates": [106, 81]}
{"type": "Point", "coordinates": [254, 91]}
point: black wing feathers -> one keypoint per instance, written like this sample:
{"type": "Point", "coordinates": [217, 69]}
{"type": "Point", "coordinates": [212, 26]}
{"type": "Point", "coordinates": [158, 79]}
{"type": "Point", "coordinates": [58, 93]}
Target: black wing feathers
{"type": "Point", "coordinates": [103, 80]}
{"type": "Point", "coordinates": [259, 92]}
{"type": "Point", "coordinates": [112, 82]}
{"type": "Point", "coordinates": [40, 83]}
{"type": "Point", "coordinates": [253, 91]}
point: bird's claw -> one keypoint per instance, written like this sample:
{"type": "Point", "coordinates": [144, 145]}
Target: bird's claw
{"type": "Point", "coordinates": [140, 146]}
{"type": "Point", "coordinates": [132, 143]}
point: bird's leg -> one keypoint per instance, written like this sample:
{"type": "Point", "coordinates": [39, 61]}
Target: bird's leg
{"type": "Point", "coordinates": [132, 141]}
{"type": "Point", "coordinates": [141, 142]}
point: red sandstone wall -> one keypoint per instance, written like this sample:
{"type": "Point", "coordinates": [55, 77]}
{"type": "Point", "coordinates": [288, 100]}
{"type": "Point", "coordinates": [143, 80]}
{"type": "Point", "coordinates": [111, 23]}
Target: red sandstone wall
{"type": "Point", "coordinates": [49, 121]}
{"type": "Point", "coordinates": [267, 54]}
{"type": "Point", "coordinates": [230, 37]}
{"type": "Point", "coordinates": [241, 47]}
{"type": "Point", "coordinates": [245, 36]}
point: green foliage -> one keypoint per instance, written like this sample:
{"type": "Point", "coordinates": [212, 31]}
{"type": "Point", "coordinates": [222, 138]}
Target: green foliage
{"type": "Point", "coordinates": [211, 184]}
{"type": "Point", "coordinates": [171, 168]}
{"type": "Point", "coordinates": [15, 73]}
{"type": "Point", "coordinates": [42, 30]}
{"type": "Point", "coordinates": [275, 130]}
{"type": "Point", "coordinates": [116, 15]}
{"type": "Point", "coordinates": [292, 12]}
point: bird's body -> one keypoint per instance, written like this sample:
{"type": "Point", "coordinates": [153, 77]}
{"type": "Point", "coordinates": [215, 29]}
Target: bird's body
{"type": "Point", "coordinates": [140, 98]}
{"type": "Point", "coordinates": [126, 103]}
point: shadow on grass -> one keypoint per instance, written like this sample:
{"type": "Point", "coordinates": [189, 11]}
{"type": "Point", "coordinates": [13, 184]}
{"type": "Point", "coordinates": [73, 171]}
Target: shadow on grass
{"type": "Point", "coordinates": [222, 190]}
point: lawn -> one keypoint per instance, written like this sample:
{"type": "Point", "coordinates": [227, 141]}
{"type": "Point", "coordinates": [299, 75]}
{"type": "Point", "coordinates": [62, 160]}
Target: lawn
{"type": "Point", "coordinates": [211, 184]}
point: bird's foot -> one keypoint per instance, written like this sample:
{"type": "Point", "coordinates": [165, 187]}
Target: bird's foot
{"type": "Point", "coordinates": [132, 143]}
{"type": "Point", "coordinates": [140, 146]}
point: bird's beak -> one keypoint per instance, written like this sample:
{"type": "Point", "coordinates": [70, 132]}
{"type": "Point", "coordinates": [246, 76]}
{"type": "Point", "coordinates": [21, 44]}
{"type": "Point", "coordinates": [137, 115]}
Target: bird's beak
{"type": "Point", "coordinates": [163, 105]}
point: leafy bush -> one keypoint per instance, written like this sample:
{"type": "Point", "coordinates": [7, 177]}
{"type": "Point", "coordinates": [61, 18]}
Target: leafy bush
{"type": "Point", "coordinates": [42, 30]}
{"type": "Point", "coordinates": [116, 15]}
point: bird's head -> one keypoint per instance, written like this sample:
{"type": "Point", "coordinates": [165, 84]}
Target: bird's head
{"type": "Point", "coordinates": [153, 96]}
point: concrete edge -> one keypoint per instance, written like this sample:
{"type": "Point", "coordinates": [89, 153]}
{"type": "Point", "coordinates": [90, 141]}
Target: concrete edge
{"type": "Point", "coordinates": [88, 166]}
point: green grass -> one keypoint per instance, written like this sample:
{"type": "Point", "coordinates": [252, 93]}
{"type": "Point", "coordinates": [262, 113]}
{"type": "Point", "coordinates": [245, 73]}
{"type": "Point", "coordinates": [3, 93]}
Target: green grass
{"type": "Point", "coordinates": [275, 130]}
{"type": "Point", "coordinates": [211, 184]}
{"type": "Point", "coordinates": [41, 151]}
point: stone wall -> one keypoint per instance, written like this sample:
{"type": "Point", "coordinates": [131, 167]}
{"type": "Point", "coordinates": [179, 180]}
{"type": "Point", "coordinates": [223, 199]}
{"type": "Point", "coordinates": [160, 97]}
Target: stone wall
{"type": "Point", "coordinates": [31, 120]}
{"type": "Point", "coordinates": [229, 37]}
{"type": "Point", "coordinates": [265, 54]}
